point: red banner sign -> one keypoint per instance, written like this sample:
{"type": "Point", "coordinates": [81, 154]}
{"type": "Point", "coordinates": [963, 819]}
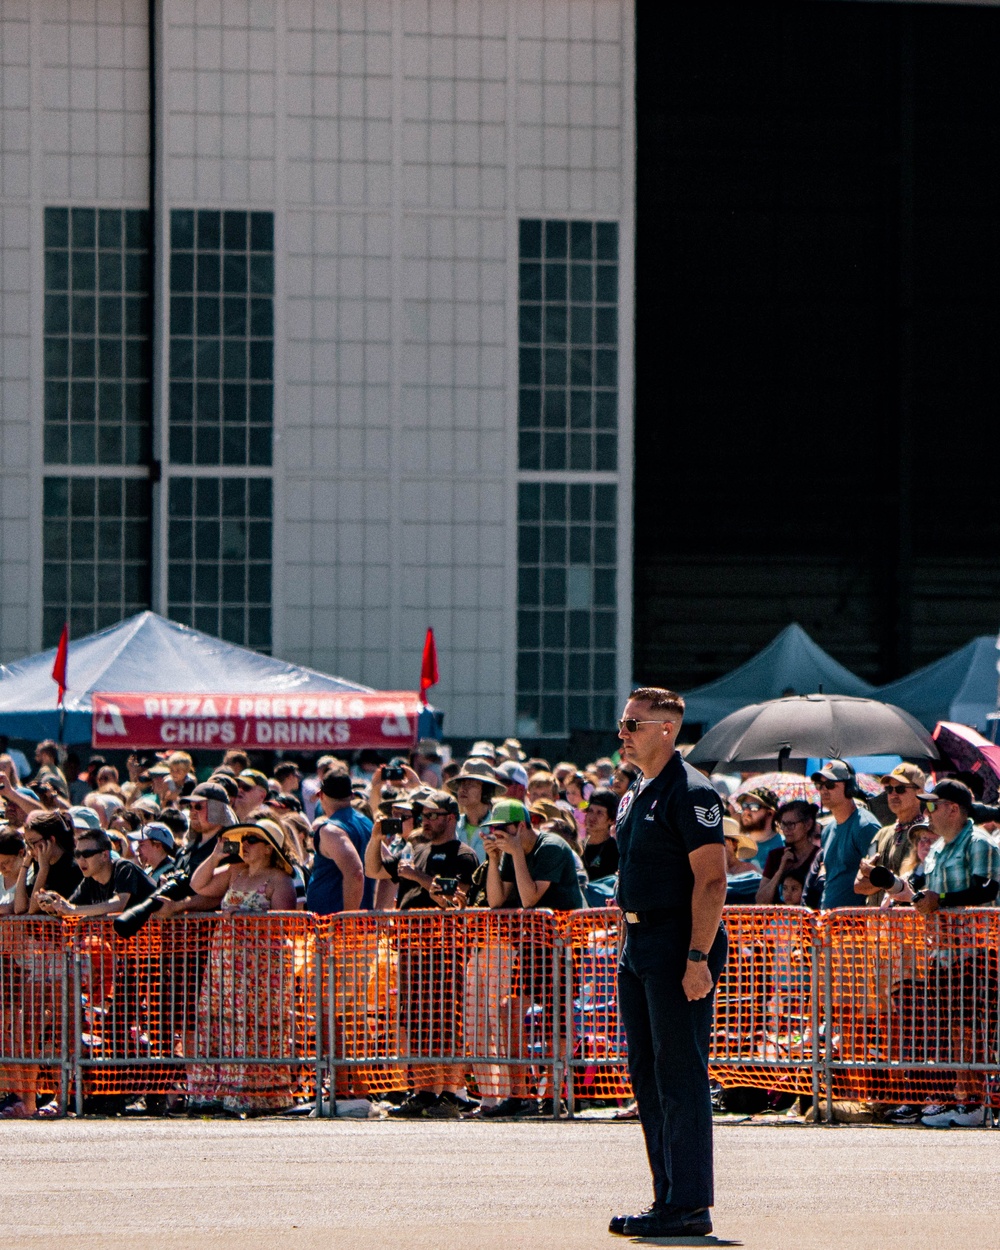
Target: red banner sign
{"type": "Point", "coordinates": [270, 722]}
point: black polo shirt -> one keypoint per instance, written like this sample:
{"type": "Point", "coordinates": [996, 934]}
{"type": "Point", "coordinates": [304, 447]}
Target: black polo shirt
{"type": "Point", "coordinates": [657, 829]}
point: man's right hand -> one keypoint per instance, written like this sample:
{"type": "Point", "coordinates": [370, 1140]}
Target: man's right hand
{"type": "Point", "coordinates": [865, 868]}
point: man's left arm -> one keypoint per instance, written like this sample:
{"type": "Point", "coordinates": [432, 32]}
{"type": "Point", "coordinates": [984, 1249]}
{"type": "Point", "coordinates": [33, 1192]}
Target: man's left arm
{"type": "Point", "coordinates": [708, 897]}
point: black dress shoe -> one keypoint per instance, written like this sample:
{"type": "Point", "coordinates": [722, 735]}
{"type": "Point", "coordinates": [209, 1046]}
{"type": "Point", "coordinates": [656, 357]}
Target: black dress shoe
{"type": "Point", "coordinates": [618, 1222]}
{"type": "Point", "coordinates": [669, 1221]}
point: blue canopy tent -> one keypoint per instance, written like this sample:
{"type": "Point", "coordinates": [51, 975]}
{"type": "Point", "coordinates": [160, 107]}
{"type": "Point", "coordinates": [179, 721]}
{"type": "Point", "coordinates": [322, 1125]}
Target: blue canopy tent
{"type": "Point", "coordinates": [959, 687]}
{"type": "Point", "coordinates": [146, 654]}
{"type": "Point", "coordinates": [790, 662]}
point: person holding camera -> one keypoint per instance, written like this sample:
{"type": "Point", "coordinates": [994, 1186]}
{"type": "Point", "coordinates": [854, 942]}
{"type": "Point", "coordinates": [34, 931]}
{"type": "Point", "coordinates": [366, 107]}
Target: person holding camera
{"type": "Point", "coordinates": [891, 845]}
{"type": "Point", "coordinates": [430, 875]}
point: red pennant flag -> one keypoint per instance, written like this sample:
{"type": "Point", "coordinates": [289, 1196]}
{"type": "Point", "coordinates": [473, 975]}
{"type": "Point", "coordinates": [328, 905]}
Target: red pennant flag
{"type": "Point", "coordinates": [59, 668]}
{"type": "Point", "coordinates": [429, 666]}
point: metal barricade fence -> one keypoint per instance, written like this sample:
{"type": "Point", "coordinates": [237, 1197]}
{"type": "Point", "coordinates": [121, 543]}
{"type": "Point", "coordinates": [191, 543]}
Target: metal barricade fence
{"type": "Point", "coordinates": [222, 1008]}
{"type": "Point", "coordinates": [911, 1006]}
{"type": "Point", "coordinates": [34, 1006]}
{"type": "Point", "coordinates": [449, 995]}
{"type": "Point", "coordinates": [253, 1011]}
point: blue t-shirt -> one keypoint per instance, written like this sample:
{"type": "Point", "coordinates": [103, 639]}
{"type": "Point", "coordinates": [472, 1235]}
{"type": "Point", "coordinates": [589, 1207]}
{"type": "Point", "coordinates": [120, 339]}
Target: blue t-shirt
{"type": "Point", "coordinates": [844, 847]}
{"type": "Point", "coordinates": [325, 895]}
{"type": "Point", "coordinates": [774, 843]}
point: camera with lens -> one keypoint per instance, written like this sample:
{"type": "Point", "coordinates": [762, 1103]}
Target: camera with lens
{"type": "Point", "coordinates": [173, 887]}
{"type": "Point", "coordinates": [885, 880]}
{"type": "Point", "coordinates": [393, 771]}
{"type": "Point", "coordinates": [448, 886]}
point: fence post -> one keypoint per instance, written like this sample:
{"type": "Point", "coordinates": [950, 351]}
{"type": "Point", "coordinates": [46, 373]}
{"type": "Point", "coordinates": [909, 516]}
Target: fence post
{"type": "Point", "coordinates": [815, 1013]}
{"type": "Point", "coordinates": [557, 1040]}
{"type": "Point", "coordinates": [77, 1024]}
{"type": "Point", "coordinates": [570, 1040]}
{"type": "Point", "coordinates": [320, 1016]}
{"type": "Point", "coordinates": [65, 1059]}
{"type": "Point", "coordinates": [828, 1017]}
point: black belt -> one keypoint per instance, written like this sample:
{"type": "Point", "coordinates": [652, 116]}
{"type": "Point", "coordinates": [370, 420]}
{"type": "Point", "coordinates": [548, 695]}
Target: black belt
{"type": "Point", "coordinates": [657, 915]}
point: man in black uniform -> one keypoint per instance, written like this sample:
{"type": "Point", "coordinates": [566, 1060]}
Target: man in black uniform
{"type": "Point", "coordinates": [671, 887]}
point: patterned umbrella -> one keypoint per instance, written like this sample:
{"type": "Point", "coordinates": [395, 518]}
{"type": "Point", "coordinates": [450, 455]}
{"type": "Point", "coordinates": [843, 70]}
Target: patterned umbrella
{"type": "Point", "coordinates": [789, 786]}
{"type": "Point", "coordinates": [786, 786]}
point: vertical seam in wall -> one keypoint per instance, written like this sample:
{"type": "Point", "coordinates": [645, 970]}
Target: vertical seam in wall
{"type": "Point", "coordinates": [278, 487]}
{"type": "Point", "coordinates": [512, 462]}
{"type": "Point", "coordinates": [36, 342]}
{"type": "Point", "coordinates": [159, 346]}
{"type": "Point", "coordinates": [397, 678]}
{"type": "Point", "coordinates": [626, 349]}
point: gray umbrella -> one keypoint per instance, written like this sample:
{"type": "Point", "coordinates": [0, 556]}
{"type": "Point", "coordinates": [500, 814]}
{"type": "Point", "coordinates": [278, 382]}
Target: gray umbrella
{"type": "Point", "coordinates": [810, 726]}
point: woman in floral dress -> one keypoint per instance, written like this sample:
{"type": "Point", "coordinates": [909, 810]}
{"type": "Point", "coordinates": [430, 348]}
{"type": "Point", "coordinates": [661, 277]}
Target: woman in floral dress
{"type": "Point", "coordinates": [245, 1007]}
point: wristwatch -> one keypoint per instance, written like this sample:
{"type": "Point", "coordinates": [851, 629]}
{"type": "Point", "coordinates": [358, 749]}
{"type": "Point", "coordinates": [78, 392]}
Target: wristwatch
{"type": "Point", "coordinates": [696, 957]}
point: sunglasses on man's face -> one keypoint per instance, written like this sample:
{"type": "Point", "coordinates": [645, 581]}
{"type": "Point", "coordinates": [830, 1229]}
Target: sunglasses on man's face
{"type": "Point", "coordinates": [630, 725]}
{"type": "Point", "coordinates": [933, 804]}
{"type": "Point", "coordinates": [751, 807]}
{"type": "Point", "coordinates": [87, 854]}
{"type": "Point", "coordinates": [897, 789]}
{"type": "Point", "coordinates": [824, 784]}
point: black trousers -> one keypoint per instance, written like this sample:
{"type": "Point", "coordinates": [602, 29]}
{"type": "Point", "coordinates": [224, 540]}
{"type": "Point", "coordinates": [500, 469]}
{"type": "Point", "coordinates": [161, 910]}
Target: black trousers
{"type": "Point", "coordinates": [668, 1040]}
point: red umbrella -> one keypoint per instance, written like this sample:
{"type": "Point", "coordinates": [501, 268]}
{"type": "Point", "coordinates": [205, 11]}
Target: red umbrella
{"type": "Point", "coordinates": [968, 751]}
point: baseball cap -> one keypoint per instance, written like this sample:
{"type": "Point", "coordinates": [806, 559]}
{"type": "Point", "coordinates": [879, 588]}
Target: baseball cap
{"type": "Point", "coordinates": [950, 791]}
{"type": "Point", "coordinates": [908, 775]}
{"type": "Point", "coordinates": [513, 773]}
{"type": "Point", "coordinates": [158, 770]}
{"type": "Point", "coordinates": [835, 770]}
{"type": "Point", "coordinates": [508, 812]}
{"type": "Point", "coordinates": [147, 803]}
{"type": "Point", "coordinates": [206, 790]}
{"type": "Point", "coordinates": [439, 801]}
{"type": "Point", "coordinates": [84, 818]}
{"type": "Point", "coordinates": [429, 748]}
{"type": "Point", "coordinates": [251, 777]}
{"type": "Point", "coordinates": [228, 783]}
{"type": "Point", "coordinates": [336, 786]}
{"type": "Point", "coordinates": [156, 831]}
{"type": "Point", "coordinates": [767, 798]}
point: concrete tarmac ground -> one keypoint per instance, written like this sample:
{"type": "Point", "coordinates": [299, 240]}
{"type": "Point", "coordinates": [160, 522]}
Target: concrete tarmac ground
{"type": "Point", "coordinates": [120, 1184]}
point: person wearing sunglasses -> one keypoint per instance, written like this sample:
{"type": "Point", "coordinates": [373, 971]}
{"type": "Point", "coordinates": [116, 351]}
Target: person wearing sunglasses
{"type": "Point", "coordinates": [891, 845]}
{"type": "Point", "coordinates": [108, 886]}
{"type": "Point", "coordinates": [846, 838]}
{"type": "Point", "coordinates": [671, 889]}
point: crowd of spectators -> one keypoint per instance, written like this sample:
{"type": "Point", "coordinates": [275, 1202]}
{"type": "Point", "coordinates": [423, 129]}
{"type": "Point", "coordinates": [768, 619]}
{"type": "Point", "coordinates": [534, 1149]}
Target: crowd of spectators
{"type": "Point", "coordinates": [492, 830]}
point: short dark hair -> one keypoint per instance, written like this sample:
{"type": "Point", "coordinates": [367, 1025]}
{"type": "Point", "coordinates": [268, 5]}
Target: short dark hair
{"type": "Point", "coordinates": [285, 769]}
{"type": "Point", "coordinates": [606, 799]}
{"type": "Point", "coordinates": [336, 785]}
{"type": "Point", "coordinates": [100, 839]}
{"type": "Point", "coordinates": [49, 747]}
{"type": "Point", "coordinates": [175, 820]}
{"type": "Point", "coordinates": [659, 699]}
{"type": "Point", "coordinates": [627, 769]}
{"type": "Point", "coordinates": [803, 807]}
{"type": "Point", "coordinates": [11, 844]}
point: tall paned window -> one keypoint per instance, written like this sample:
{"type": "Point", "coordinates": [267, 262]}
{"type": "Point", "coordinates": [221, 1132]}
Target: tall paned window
{"type": "Point", "coordinates": [219, 557]}
{"type": "Point", "coordinates": [568, 464]}
{"type": "Point", "coordinates": [97, 416]}
{"type": "Point", "coordinates": [568, 345]}
{"type": "Point", "coordinates": [96, 541]}
{"type": "Point", "coordinates": [221, 337]}
{"type": "Point", "coordinates": [567, 557]}
{"type": "Point", "coordinates": [97, 336]}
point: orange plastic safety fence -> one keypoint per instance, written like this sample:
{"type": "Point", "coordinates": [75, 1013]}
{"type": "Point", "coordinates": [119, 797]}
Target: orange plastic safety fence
{"type": "Point", "coordinates": [468, 997]}
{"type": "Point", "coordinates": [34, 1004]}
{"type": "Point", "coordinates": [220, 1007]}
{"type": "Point", "coordinates": [913, 1010]}
{"type": "Point", "coordinates": [862, 1004]}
